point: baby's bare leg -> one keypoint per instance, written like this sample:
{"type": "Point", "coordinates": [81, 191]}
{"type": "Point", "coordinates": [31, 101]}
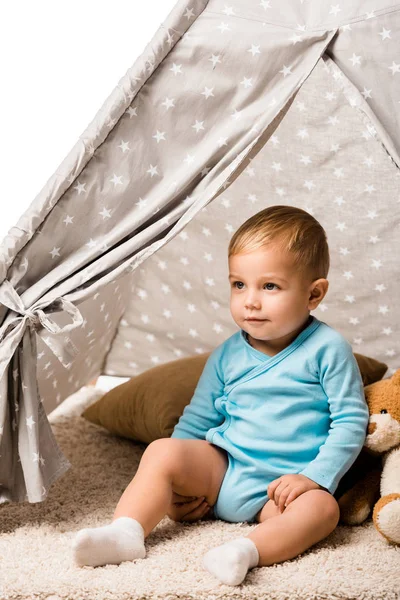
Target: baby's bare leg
{"type": "Point", "coordinates": [187, 467]}
{"type": "Point", "coordinates": [308, 519]}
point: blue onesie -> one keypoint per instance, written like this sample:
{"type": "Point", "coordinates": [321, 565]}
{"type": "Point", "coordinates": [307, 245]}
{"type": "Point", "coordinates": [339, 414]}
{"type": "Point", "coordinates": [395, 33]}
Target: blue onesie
{"type": "Point", "coordinates": [300, 411]}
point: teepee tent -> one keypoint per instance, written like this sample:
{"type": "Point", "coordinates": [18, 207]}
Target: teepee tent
{"type": "Point", "coordinates": [119, 263]}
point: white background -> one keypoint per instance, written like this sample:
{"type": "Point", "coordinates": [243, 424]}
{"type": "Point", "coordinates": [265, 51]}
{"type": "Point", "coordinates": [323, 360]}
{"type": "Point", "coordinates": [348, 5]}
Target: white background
{"type": "Point", "coordinates": [60, 60]}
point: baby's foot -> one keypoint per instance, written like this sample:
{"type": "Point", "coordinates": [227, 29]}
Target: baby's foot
{"type": "Point", "coordinates": [123, 539]}
{"type": "Point", "coordinates": [230, 562]}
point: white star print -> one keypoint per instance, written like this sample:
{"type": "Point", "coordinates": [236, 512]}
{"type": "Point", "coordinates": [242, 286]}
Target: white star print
{"type": "Point", "coordinates": [132, 112]}
{"type": "Point", "coordinates": [142, 203]}
{"type": "Point", "coordinates": [383, 309]}
{"type": "Point", "coordinates": [55, 252]}
{"type": "Point", "coordinates": [296, 38]}
{"type": "Point", "coordinates": [302, 133]}
{"type": "Point", "coordinates": [333, 121]}
{"type": "Point", "coordinates": [124, 146]}
{"type": "Point", "coordinates": [30, 422]}
{"type": "Point", "coordinates": [246, 82]}
{"type": "Point", "coordinates": [168, 103]}
{"type": "Point", "coordinates": [116, 180]}
{"type": "Point", "coordinates": [356, 60]}
{"type": "Point", "coordinates": [369, 161]}
{"type": "Point", "coordinates": [330, 96]}
{"type": "Point", "coordinates": [309, 184]}
{"type": "Point", "coordinates": [214, 59]}
{"type": "Point", "coordinates": [176, 69]}
{"type": "Point", "coordinates": [189, 159]}
{"type": "Point", "coordinates": [376, 264]}
{"type": "Point", "coordinates": [385, 33]}
{"type": "Point", "coordinates": [265, 4]}
{"type": "Point", "coordinates": [189, 13]}
{"type": "Point", "coordinates": [380, 287]}
{"type": "Point", "coordinates": [152, 170]}
{"type": "Point", "coordinates": [286, 71]}
{"type": "Point", "coordinates": [207, 92]}
{"type": "Point", "coordinates": [335, 9]}
{"type": "Point", "coordinates": [254, 50]}
{"type": "Point", "coordinates": [306, 160]}
{"type": "Point", "coordinates": [80, 187]}
{"type": "Point", "coordinates": [354, 320]}
{"type": "Point", "coordinates": [68, 220]}
{"type": "Point", "coordinates": [223, 27]}
{"type": "Point", "coordinates": [348, 275]}
{"type": "Point", "coordinates": [105, 213]}
{"type": "Point", "coordinates": [198, 125]}
{"type": "Point", "coordinates": [159, 136]}
{"type": "Point", "coordinates": [142, 293]}
{"type": "Point", "coordinates": [395, 68]}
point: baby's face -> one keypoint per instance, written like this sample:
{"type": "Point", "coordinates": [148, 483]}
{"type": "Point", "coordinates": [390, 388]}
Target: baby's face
{"type": "Point", "coordinates": [265, 285]}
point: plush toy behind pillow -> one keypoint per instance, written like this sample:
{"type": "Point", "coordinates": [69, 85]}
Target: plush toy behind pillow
{"type": "Point", "coordinates": [378, 488]}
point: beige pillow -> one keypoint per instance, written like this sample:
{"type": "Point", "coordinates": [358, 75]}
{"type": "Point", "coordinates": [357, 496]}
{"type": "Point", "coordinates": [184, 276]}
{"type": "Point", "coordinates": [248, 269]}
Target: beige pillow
{"type": "Point", "coordinates": [148, 406]}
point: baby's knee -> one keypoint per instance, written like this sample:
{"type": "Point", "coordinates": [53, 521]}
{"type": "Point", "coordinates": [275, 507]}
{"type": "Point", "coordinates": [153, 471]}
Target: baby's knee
{"type": "Point", "coordinates": [327, 505]}
{"type": "Point", "coordinates": [166, 453]}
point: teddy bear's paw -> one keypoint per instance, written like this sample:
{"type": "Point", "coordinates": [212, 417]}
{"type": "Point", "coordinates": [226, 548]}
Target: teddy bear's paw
{"type": "Point", "coordinates": [353, 510]}
{"type": "Point", "coordinates": [386, 517]}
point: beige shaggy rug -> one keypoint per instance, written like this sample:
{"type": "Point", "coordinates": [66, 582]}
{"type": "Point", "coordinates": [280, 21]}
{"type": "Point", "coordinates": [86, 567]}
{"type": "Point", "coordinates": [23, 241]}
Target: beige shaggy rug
{"type": "Point", "coordinates": [353, 563]}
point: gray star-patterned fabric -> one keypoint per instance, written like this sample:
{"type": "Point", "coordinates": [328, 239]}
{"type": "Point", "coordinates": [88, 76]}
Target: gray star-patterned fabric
{"type": "Point", "coordinates": [120, 262]}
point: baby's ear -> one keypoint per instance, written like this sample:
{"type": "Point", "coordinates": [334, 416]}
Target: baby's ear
{"type": "Point", "coordinates": [318, 290]}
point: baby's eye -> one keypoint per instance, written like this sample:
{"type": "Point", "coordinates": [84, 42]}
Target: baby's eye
{"type": "Point", "coordinates": [274, 284]}
{"type": "Point", "coordinates": [240, 283]}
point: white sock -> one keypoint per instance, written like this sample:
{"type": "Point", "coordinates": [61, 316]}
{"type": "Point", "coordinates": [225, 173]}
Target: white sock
{"type": "Point", "coordinates": [230, 562]}
{"type": "Point", "coordinates": [123, 539]}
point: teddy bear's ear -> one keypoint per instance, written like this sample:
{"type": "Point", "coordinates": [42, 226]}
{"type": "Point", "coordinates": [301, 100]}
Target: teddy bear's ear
{"type": "Point", "coordinates": [396, 378]}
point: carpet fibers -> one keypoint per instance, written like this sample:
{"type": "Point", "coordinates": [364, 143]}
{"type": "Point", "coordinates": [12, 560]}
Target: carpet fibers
{"type": "Point", "coordinates": [353, 563]}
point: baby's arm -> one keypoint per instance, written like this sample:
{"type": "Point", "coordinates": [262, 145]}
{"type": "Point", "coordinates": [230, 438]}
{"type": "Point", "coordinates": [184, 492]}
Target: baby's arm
{"type": "Point", "coordinates": [341, 380]}
{"type": "Point", "coordinates": [200, 414]}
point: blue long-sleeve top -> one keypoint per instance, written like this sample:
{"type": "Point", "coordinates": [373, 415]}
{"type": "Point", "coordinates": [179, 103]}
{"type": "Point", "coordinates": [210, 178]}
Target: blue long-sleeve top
{"type": "Point", "coordinates": [300, 411]}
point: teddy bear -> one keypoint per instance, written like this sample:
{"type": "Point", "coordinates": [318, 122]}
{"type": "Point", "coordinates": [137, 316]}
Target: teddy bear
{"type": "Point", "coordinates": [373, 481]}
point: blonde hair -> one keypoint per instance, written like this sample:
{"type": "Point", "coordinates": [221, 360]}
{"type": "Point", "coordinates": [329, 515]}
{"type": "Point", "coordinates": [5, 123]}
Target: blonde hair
{"type": "Point", "coordinates": [294, 230]}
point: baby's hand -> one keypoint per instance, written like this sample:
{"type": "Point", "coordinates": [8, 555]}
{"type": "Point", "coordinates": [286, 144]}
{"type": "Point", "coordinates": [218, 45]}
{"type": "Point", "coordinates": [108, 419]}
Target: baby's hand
{"type": "Point", "coordinates": [288, 487]}
{"type": "Point", "coordinates": [184, 508]}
